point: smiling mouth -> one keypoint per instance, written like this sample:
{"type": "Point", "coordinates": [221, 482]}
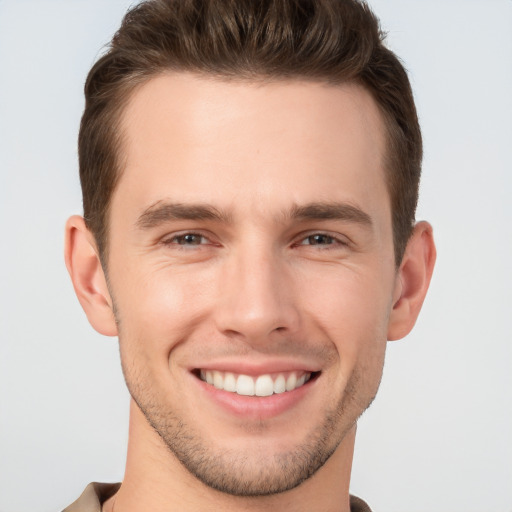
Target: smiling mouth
{"type": "Point", "coordinates": [261, 385]}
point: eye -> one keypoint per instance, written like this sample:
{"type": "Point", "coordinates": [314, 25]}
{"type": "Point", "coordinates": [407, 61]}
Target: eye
{"type": "Point", "coordinates": [322, 241]}
{"type": "Point", "coordinates": [187, 240]}
{"type": "Point", "coordinates": [319, 239]}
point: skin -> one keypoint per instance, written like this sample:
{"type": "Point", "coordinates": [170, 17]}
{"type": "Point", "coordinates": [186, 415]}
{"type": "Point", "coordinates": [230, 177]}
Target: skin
{"type": "Point", "coordinates": [265, 283]}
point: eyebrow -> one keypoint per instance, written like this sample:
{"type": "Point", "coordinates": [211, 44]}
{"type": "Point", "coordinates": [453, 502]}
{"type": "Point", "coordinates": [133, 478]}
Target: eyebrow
{"type": "Point", "coordinates": [164, 211]}
{"type": "Point", "coordinates": [331, 211]}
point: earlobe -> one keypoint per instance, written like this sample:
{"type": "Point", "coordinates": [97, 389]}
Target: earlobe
{"type": "Point", "coordinates": [412, 281]}
{"type": "Point", "coordinates": [84, 267]}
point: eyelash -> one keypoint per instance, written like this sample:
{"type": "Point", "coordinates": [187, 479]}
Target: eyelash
{"type": "Point", "coordinates": [333, 240]}
{"type": "Point", "coordinates": [173, 240]}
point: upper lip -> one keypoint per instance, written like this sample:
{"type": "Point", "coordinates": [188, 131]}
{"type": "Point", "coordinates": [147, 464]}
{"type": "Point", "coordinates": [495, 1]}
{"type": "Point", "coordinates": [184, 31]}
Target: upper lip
{"type": "Point", "coordinates": [260, 368]}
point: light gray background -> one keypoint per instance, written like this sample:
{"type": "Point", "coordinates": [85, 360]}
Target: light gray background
{"type": "Point", "coordinates": [438, 438]}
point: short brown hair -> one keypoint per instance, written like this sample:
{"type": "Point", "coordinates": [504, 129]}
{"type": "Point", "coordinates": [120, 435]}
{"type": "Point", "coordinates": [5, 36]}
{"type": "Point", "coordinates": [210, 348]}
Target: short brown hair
{"type": "Point", "coordinates": [332, 41]}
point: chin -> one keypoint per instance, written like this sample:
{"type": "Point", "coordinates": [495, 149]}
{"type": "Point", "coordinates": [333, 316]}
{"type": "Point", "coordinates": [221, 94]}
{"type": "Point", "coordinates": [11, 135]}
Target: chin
{"type": "Point", "coordinates": [253, 467]}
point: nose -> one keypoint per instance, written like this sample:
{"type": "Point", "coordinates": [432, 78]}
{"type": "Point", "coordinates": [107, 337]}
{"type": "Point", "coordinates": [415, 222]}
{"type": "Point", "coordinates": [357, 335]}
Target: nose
{"type": "Point", "coordinates": [257, 300]}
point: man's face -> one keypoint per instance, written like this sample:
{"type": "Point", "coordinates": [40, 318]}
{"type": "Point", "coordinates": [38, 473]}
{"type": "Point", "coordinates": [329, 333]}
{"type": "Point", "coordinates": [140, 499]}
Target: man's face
{"type": "Point", "coordinates": [251, 244]}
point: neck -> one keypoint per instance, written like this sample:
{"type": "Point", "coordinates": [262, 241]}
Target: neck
{"type": "Point", "coordinates": [155, 480]}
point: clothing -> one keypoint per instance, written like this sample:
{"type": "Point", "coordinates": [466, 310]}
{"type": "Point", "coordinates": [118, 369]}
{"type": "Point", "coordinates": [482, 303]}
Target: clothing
{"type": "Point", "coordinates": [95, 494]}
{"type": "Point", "coordinates": [93, 497]}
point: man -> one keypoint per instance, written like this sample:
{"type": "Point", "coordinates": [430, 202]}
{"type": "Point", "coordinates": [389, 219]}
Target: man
{"type": "Point", "coordinates": [250, 174]}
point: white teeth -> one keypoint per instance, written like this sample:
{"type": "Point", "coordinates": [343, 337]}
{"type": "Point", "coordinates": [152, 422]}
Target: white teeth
{"type": "Point", "coordinates": [291, 382]}
{"type": "Point", "coordinates": [245, 385]}
{"type": "Point", "coordinates": [218, 380]}
{"type": "Point", "coordinates": [229, 382]}
{"type": "Point", "coordinates": [280, 384]}
{"type": "Point", "coordinates": [263, 385]}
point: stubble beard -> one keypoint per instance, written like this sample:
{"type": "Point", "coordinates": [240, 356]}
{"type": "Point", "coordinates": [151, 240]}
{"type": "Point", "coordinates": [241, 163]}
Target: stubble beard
{"type": "Point", "coordinates": [250, 474]}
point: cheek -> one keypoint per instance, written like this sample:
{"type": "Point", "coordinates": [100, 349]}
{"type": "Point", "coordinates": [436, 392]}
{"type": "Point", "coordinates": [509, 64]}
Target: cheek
{"type": "Point", "coordinates": [350, 300]}
{"type": "Point", "coordinates": [351, 309]}
{"type": "Point", "coordinates": [159, 309]}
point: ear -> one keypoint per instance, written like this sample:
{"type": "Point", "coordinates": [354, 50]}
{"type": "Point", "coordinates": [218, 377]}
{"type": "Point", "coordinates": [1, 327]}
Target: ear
{"type": "Point", "coordinates": [412, 281]}
{"type": "Point", "coordinates": [84, 267]}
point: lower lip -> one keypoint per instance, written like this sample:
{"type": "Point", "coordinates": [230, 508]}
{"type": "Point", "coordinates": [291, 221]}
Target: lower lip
{"type": "Point", "coordinates": [256, 407]}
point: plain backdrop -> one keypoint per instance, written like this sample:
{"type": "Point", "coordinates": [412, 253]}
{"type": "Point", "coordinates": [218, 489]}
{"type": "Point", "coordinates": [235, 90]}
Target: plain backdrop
{"type": "Point", "coordinates": [438, 437]}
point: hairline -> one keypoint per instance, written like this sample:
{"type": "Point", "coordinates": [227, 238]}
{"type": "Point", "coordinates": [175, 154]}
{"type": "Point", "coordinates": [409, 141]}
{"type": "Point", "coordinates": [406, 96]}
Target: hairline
{"type": "Point", "coordinates": [129, 87]}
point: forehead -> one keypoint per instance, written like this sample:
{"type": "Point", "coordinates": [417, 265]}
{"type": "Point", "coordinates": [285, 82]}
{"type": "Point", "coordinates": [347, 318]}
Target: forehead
{"type": "Point", "coordinates": [250, 143]}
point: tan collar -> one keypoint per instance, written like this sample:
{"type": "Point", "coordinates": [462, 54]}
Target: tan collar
{"type": "Point", "coordinates": [95, 494]}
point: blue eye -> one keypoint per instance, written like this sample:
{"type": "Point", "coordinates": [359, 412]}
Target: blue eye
{"type": "Point", "coordinates": [319, 239]}
{"type": "Point", "coordinates": [187, 239]}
